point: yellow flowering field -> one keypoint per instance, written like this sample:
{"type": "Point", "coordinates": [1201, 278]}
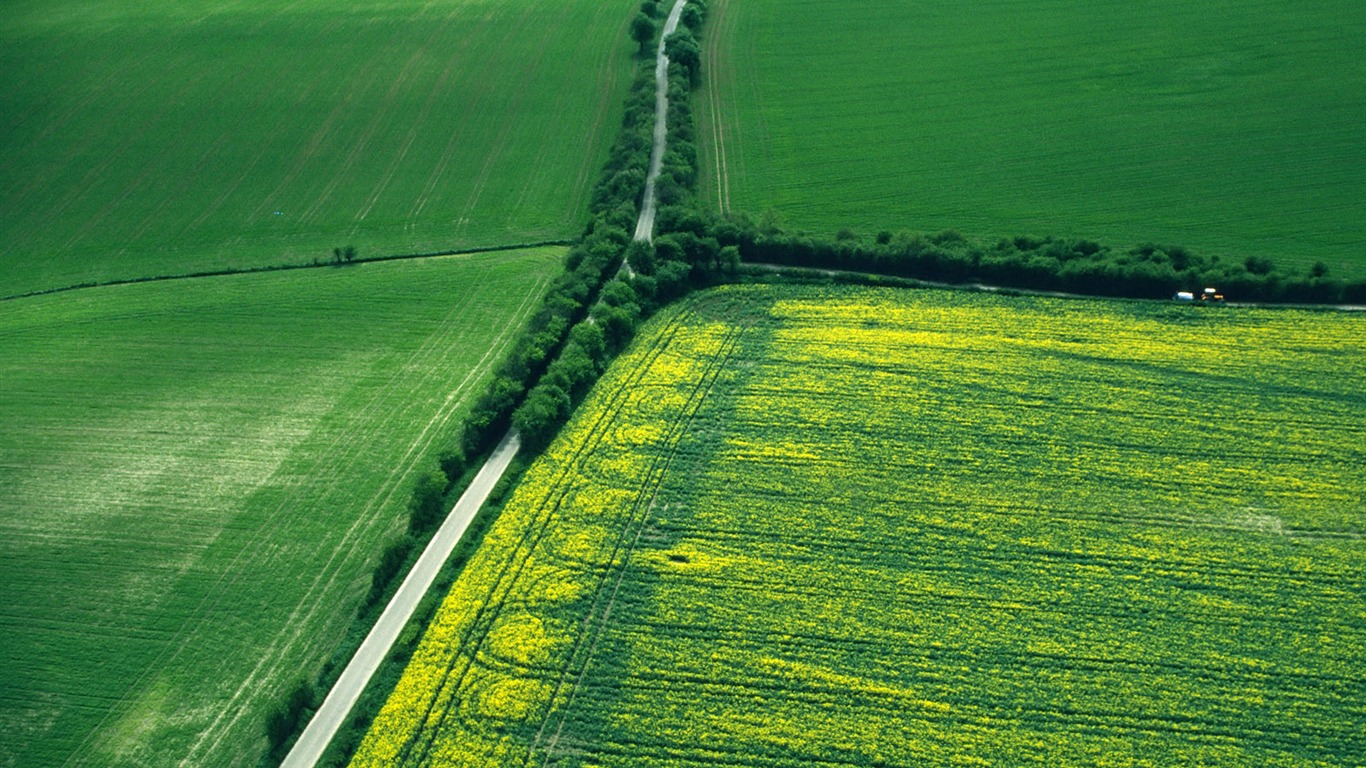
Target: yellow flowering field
{"type": "Point", "coordinates": [840, 526]}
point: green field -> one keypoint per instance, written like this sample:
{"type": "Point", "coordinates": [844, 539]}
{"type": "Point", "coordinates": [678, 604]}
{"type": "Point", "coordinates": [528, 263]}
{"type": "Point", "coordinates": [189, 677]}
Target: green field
{"type": "Point", "coordinates": [1230, 128]}
{"type": "Point", "coordinates": [162, 137]}
{"type": "Point", "coordinates": [850, 526]}
{"type": "Point", "coordinates": [196, 478]}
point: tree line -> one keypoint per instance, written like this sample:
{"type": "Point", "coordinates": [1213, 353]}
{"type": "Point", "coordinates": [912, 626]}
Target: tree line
{"type": "Point", "coordinates": [552, 346]}
{"type": "Point", "coordinates": [681, 258]}
{"type": "Point", "coordinates": [1080, 266]}
{"type": "Point", "coordinates": [594, 307]}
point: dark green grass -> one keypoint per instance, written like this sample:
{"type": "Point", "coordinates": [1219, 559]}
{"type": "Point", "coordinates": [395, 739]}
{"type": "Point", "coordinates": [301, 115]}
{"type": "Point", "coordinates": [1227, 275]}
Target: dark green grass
{"type": "Point", "coordinates": [1230, 128]}
{"type": "Point", "coordinates": [163, 137]}
{"type": "Point", "coordinates": [196, 477]}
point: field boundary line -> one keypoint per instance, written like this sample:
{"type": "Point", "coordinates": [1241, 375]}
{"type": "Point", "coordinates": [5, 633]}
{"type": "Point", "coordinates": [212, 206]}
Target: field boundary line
{"type": "Point", "coordinates": [592, 629]}
{"type": "Point", "coordinates": [472, 639]}
{"type": "Point", "coordinates": [291, 267]}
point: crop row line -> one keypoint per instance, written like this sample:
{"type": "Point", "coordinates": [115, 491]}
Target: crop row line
{"type": "Point", "coordinates": [416, 748]}
{"type": "Point", "coordinates": [640, 511]}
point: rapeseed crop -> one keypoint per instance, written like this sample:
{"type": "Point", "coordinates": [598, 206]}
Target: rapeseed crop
{"type": "Point", "coordinates": [853, 526]}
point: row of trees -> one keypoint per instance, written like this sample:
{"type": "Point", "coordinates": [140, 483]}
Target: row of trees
{"type": "Point", "coordinates": [555, 346]}
{"type": "Point", "coordinates": [593, 309]}
{"type": "Point", "coordinates": [1056, 264]}
{"type": "Point", "coordinates": [646, 25]}
{"type": "Point", "coordinates": [696, 249]}
{"type": "Point", "coordinates": [681, 257]}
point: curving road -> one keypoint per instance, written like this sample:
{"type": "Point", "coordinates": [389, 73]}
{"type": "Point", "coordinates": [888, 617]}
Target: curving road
{"type": "Point", "coordinates": [372, 651]}
{"type": "Point", "coordinates": [645, 225]}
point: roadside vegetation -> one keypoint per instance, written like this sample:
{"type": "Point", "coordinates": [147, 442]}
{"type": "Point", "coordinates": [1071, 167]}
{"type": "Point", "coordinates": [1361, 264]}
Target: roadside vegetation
{"type": "Point", "coordinates": [863, 526]}
{"type": "Point", "coordinates": [1148, 271]}
{"type": "Point", "coordinates": [585, 319]}
{"type": "Point", "coordinates": [610, 616]}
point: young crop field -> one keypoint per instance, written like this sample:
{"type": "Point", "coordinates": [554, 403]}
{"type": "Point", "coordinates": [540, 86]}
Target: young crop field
{"type": "Point", "coordinates": [173, 136]}
{"type": "Point", "coordinates": [799, 526]}
{"type": "Point", "coordinates": [196, 477]}
{"type": "Point", "coordinates": [1230, 128]}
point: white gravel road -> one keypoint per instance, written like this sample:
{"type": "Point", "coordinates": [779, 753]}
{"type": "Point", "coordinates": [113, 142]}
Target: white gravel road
{"type": "Point", "coordinates": [372, 651]}
{"type": "Point", "coordinates": [645, 225]}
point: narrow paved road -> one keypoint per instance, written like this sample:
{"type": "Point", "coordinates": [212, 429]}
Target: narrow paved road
{"type": "Point", "coordinates": [645, 225]}
{"type": "Point", "coordinates": [372, 651]}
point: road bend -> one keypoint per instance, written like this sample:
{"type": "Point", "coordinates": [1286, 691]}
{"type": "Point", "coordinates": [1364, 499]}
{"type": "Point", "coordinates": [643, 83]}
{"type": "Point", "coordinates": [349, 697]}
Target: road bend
{"type": "Point", "coordinates": [645, 225]}
{"type": "Point", "coordinates": [337, 706]}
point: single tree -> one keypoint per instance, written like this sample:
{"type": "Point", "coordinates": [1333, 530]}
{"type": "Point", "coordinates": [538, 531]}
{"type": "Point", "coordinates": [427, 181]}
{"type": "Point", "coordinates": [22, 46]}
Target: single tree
{"type": "Point", "coordinates": [643, 31]}
{"type": "Point", "coordinates": [425, 508]}
{"type": "Point", "coordinates": [692, 18]}
{"type": "Point", "coordinates": [682, 48]}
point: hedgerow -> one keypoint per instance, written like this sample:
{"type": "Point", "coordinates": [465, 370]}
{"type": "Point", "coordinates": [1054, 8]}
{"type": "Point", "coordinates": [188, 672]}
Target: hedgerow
{"type": "Point", "coordinates": [551, 367]}
{"type": "Point", "coordinates": [1038, 263]}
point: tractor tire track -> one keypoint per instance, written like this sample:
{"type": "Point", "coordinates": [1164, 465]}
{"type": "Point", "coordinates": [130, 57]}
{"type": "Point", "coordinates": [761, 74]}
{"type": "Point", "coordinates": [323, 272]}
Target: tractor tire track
{"type": "Point", "coordinates": [346, 547]}
{"type": "Point", "coordinates": [487, 612]}
{"type": "Point", "coordinates": [596, 624]}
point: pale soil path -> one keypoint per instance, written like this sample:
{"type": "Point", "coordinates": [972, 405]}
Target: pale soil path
{"type": "Point", "coordinates": [645, 225]}
{"type": "Point", "coordinates": [372, 652]}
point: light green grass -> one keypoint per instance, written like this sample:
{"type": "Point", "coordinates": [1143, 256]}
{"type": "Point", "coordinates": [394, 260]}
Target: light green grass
{"type": "Point", "coordinates": [857, 527]}
{"type": "Point", "coordinates": [1230, 128]}
{"type": "Point", "coordinates": [162, 137]}
{"type": "Point", "coordinates": [196, 477]}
